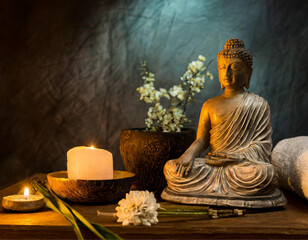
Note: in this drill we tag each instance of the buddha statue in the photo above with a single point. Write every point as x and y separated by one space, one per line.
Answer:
237 127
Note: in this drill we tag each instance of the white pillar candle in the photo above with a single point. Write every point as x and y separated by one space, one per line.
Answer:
89 163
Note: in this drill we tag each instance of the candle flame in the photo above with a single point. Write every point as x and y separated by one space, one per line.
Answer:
26 192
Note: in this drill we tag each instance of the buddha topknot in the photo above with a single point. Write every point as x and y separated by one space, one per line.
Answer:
235 48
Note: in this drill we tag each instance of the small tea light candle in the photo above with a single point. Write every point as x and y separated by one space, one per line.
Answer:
23 203
89 163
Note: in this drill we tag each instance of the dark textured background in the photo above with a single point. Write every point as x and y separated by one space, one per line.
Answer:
69 69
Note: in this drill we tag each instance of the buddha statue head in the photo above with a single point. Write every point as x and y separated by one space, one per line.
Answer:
234 65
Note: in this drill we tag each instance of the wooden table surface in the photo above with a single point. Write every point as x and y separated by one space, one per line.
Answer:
290 222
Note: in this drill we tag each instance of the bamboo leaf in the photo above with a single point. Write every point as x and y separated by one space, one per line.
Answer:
57 205
101 232
73 216
105 231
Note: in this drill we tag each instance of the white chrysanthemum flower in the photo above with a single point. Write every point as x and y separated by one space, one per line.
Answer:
139 207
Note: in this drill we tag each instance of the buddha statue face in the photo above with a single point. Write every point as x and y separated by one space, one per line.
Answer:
234 73
234 65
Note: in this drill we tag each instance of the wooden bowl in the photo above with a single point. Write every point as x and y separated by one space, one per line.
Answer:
91 191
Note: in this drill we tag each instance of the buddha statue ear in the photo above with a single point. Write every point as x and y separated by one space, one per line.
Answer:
246 85
222 86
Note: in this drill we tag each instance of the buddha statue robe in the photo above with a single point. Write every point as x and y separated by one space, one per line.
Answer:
240 182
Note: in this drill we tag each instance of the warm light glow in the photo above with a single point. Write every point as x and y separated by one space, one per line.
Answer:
26 192
92 147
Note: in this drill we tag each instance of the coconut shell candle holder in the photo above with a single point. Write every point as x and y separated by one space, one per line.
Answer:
91 191
23 203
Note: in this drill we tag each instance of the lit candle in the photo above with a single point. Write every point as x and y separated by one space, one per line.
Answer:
26 193
89 163
23 203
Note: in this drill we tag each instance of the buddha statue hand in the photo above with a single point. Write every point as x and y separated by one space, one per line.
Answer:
184 164
224 158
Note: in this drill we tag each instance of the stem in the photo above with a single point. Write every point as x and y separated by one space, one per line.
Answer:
106 214
186 100
189 92
184 209
182 213
207 65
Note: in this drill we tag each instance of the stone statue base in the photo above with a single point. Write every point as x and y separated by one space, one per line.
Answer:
275 199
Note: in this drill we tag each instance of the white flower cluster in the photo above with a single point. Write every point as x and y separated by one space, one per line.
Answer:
147 91
193 76
173 118
139 207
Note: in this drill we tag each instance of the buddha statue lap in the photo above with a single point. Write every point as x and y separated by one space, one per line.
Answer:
237 127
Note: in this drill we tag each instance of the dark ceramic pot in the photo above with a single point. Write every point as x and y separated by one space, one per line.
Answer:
145 154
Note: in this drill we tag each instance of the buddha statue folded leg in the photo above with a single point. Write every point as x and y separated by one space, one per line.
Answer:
246 179
244 184
250 179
